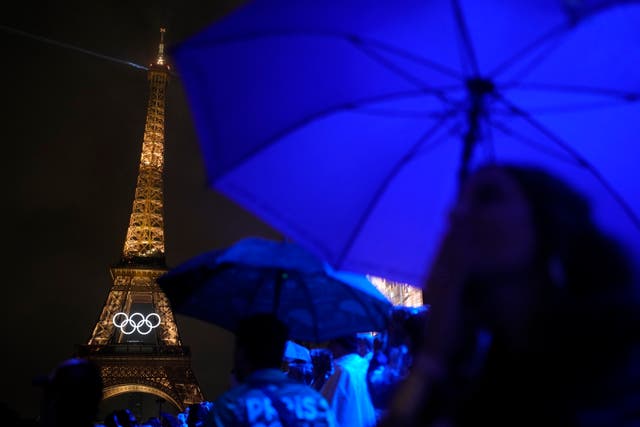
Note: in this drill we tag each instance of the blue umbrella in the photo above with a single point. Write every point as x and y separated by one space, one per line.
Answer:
348 124
263 276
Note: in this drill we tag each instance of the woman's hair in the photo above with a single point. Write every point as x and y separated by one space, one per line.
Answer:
572 252
592 285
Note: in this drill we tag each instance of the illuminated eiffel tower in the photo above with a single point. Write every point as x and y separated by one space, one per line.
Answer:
135 341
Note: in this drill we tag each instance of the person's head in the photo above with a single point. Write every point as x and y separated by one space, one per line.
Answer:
260 344
365 344
533 245
525 220
497 221
341 346
120 418
198 414
414 329
169 420
571 250
72 394
300 370
322 361
396 334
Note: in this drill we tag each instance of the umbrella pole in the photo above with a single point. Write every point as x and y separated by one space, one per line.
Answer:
478 89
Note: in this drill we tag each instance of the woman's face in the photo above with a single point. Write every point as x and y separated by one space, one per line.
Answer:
497 223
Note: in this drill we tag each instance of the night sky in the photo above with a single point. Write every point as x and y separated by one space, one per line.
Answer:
71 135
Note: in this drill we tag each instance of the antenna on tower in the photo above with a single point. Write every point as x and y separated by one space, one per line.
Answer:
160 60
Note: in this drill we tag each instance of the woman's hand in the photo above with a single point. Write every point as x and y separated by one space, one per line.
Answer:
442 332
443 293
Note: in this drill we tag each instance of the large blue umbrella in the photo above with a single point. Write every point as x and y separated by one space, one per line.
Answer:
263 276
348 124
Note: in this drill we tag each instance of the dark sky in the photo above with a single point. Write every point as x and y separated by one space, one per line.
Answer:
71 134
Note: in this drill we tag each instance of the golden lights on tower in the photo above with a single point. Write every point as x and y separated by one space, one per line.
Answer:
161 60
400 294
145 235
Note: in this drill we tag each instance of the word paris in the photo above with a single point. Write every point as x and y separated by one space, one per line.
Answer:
137 322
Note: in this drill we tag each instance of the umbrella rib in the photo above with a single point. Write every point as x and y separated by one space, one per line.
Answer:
463 29
400 72
574 89
403 113
511 61
317 115
456 127
505 130
559 109
583 162
413 57
385 183
536 60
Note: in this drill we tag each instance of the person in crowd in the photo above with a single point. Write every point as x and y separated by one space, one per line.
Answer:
322 361
169 420
121 418
532 318
392 362
265 395
198 414
182 418
72 394
300 370
346 389
379 357
152 422
297 362
365 345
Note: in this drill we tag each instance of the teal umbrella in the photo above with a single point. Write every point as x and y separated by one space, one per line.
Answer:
257 276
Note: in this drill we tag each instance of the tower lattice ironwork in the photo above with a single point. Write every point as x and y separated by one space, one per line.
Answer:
135 341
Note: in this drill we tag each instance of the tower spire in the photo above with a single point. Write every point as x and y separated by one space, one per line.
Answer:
160 60
144 243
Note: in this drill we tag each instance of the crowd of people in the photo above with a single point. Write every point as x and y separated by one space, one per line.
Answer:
530 318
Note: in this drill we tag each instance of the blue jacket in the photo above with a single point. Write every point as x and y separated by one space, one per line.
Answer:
269 398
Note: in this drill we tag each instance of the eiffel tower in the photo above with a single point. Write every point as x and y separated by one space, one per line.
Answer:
135 341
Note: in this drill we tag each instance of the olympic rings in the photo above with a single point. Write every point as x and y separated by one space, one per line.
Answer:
137 322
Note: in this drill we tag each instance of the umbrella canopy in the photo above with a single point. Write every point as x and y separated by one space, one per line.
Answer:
348 124
263 276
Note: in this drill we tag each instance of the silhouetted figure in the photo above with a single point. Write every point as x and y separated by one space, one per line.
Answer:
300 370
394 354
532 317
121 418
168 420
365 345
322 361
346 389
265 395
198 414
72 394
153 422
297 362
